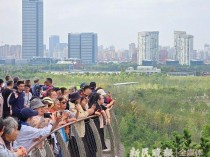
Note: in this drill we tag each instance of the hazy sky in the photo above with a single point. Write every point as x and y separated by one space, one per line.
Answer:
116 21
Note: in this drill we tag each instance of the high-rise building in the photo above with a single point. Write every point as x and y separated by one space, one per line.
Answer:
183 44
61 51
10 52
54 42
100 49
148 44
163 54
206 52
83 46
32 28
74 45
132 49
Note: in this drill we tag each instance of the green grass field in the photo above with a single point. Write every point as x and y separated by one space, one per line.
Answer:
150 111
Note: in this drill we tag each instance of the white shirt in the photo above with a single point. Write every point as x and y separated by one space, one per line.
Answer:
27 98
28 134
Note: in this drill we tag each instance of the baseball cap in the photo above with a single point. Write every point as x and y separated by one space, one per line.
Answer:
28 113
82 85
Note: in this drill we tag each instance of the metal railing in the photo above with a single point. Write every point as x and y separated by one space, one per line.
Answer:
75 146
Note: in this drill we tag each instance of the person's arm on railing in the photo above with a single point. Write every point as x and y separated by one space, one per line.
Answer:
91 110
104 115
110 104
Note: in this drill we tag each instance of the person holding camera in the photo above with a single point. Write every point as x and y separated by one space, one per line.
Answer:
28 135
44 118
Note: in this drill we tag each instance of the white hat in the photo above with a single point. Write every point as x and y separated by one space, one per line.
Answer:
101 91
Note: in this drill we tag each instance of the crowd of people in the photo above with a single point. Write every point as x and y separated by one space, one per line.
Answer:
29 111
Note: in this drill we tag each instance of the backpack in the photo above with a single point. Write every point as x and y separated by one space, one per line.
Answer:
1 104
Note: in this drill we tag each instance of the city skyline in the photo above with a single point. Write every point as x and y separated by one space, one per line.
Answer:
112 19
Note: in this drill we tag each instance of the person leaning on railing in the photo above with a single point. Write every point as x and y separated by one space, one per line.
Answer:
98 100
108 100
79 112
81 126
28 134
55 108
78 105
67 117
9 130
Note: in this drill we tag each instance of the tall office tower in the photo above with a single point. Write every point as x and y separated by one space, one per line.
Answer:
183 44
54 42
148 45
32 28
83 46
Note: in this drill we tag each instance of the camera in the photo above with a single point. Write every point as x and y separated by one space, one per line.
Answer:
47 115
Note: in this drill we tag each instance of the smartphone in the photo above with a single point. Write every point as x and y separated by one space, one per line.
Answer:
58 113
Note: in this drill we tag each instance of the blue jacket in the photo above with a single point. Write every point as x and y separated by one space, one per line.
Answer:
36 90
17 103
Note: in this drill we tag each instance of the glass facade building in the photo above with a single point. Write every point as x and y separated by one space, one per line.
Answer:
32 28
54 42
83 46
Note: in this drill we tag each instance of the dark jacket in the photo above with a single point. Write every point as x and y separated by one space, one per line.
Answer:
36 88
17 103
6 110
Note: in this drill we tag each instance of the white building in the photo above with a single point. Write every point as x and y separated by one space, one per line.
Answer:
148 44
183 44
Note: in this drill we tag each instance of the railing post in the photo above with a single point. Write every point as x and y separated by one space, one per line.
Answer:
80 144
63 145
116 131
97 138
112 141
49 152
